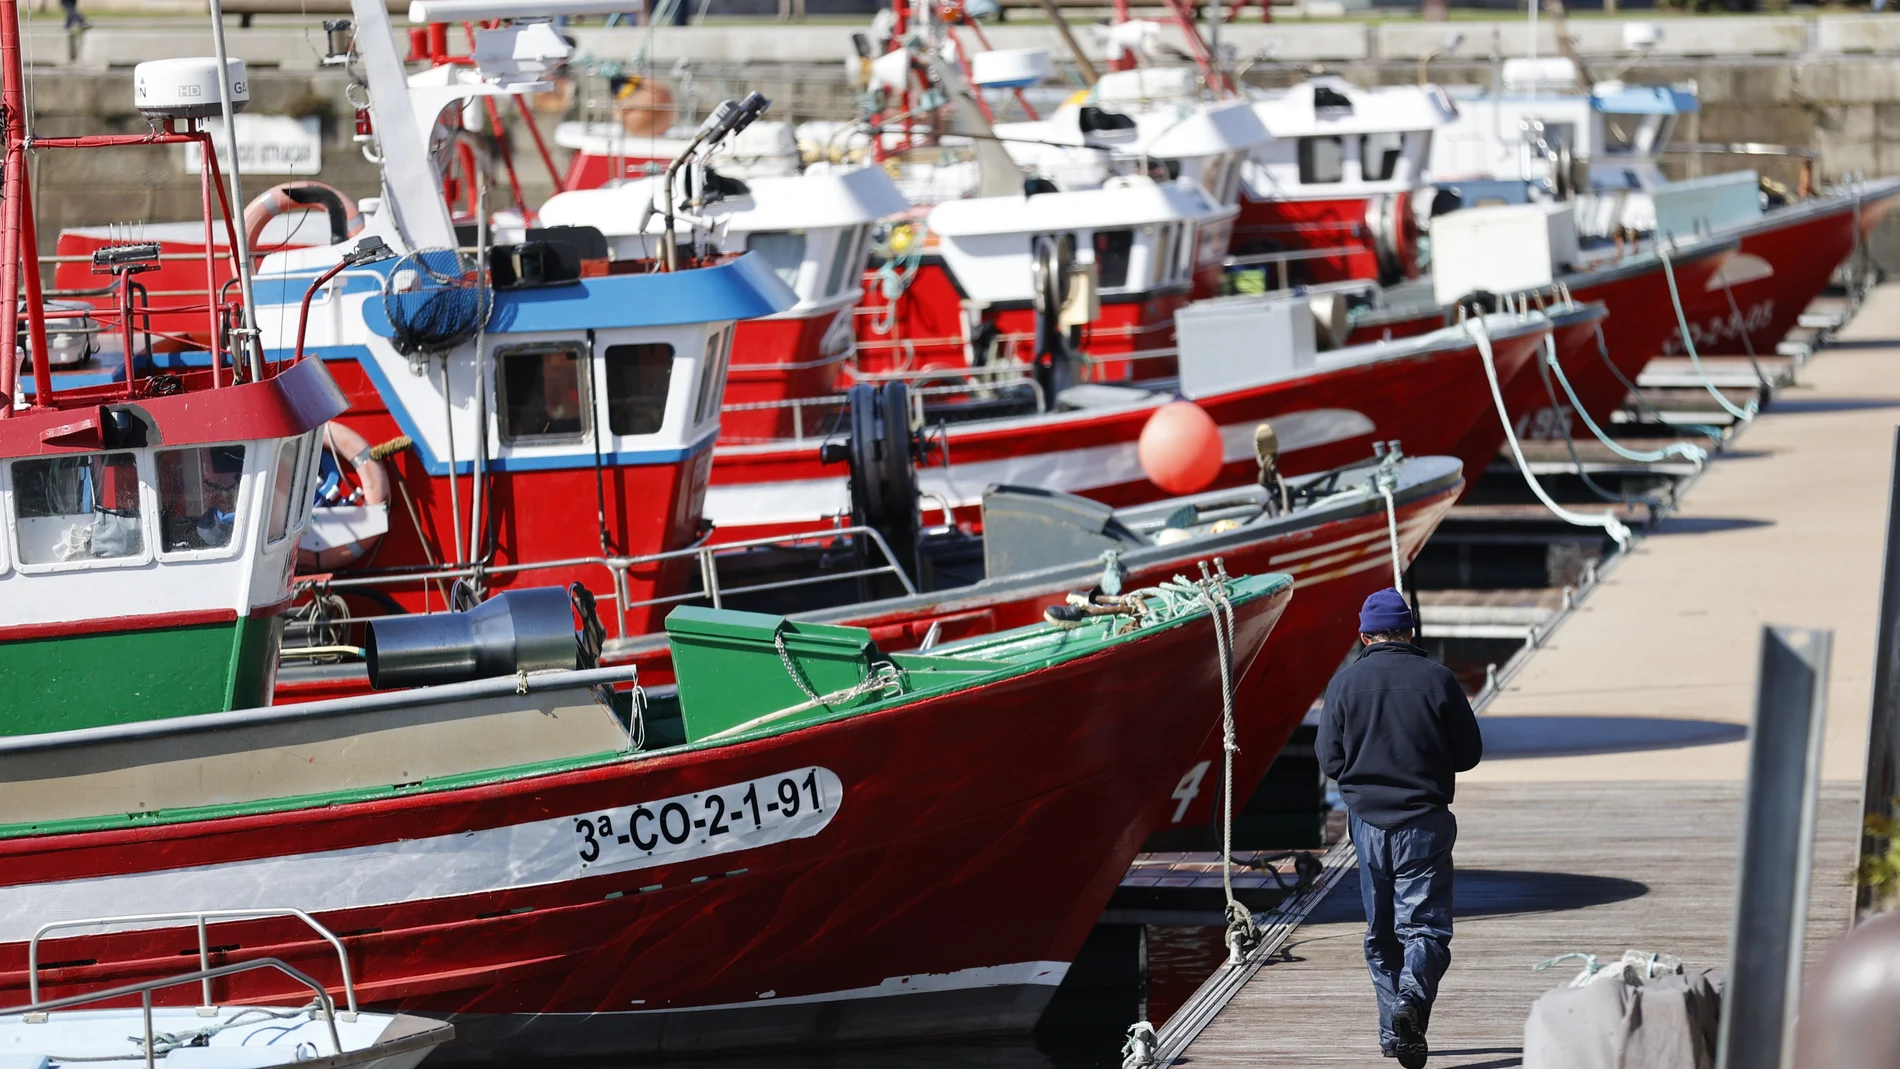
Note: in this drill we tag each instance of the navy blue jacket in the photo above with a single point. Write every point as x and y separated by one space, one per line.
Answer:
1395 731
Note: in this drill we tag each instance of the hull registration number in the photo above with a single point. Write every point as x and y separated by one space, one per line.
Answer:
757 812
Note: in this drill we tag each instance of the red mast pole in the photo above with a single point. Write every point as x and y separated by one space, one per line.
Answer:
12 96
1126 61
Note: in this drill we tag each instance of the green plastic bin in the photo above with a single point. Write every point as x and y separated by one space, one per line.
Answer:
729 669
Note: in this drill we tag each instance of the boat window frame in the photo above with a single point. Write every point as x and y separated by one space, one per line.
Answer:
148 511
1098 238
603 349
239 498
850 246
797 267
714 362
1303 162
270 491
1394 154
584 402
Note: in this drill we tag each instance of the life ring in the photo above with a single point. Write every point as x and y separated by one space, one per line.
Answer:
345 221
371 492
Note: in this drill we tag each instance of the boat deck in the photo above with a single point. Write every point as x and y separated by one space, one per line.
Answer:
1606 816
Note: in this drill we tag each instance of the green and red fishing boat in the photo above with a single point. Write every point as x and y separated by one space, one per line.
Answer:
808 839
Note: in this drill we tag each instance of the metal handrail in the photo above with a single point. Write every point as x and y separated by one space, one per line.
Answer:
1290 256
204 947
617 567
144 989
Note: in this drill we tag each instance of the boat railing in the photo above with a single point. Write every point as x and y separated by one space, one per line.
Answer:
1011 376
618 567
36 1011
202 919
1283 259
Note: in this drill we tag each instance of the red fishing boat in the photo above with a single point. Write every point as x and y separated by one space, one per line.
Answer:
807 840
1637 323
1261 362
1331 196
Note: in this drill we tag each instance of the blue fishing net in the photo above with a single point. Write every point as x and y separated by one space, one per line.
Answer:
434 300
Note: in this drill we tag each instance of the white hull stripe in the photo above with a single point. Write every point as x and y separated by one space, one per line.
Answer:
532 854
962 484
1038 973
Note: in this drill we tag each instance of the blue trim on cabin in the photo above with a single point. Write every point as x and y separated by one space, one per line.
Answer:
745 288
436 467
1646 100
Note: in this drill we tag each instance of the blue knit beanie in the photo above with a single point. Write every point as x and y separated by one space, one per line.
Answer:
1385 610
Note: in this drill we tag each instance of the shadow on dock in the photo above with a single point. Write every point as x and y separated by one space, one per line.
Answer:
1676 525
1785 406
1569 736
1493 893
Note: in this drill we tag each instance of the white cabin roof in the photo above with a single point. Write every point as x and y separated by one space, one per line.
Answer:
1387 109
1127 201
776 202
1162 131
764 148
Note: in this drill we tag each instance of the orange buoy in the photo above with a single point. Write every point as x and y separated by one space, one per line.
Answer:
1180 448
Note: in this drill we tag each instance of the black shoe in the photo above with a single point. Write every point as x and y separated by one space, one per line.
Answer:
1410 1049
1388 1052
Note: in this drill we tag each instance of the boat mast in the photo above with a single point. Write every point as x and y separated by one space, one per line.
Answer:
17 239
253 348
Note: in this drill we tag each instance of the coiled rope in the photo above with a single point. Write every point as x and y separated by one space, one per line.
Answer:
1688 344
894 277
1611 525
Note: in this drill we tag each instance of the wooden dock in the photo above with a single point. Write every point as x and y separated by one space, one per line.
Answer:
1607 813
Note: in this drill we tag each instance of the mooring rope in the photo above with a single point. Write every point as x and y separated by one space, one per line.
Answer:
1608 521
1741 329
1386 478
1688 343
1242 933
1695 454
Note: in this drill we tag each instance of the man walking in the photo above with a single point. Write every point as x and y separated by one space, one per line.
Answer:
1395 731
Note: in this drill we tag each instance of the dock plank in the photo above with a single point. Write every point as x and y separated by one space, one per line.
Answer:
1543 869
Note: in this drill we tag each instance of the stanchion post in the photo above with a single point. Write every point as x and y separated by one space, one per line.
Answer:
1769 927
1882 782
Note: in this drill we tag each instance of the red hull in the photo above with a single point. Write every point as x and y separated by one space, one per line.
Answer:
1639 320
925 328
1800 246
776 360
1335 565
1425 401
1528 403
940 869
1308 225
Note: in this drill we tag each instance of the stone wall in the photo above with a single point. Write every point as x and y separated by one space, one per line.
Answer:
1845 106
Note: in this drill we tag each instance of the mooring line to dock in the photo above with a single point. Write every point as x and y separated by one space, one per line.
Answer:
1219 989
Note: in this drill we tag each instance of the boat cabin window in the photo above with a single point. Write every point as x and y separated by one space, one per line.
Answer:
1112 249
1379 155
284 489
198 497
1164 254
77 508
783 249
1322 160
637 380
849 252
713 383
543 392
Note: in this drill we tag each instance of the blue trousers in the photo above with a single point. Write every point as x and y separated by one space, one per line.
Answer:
1405 884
